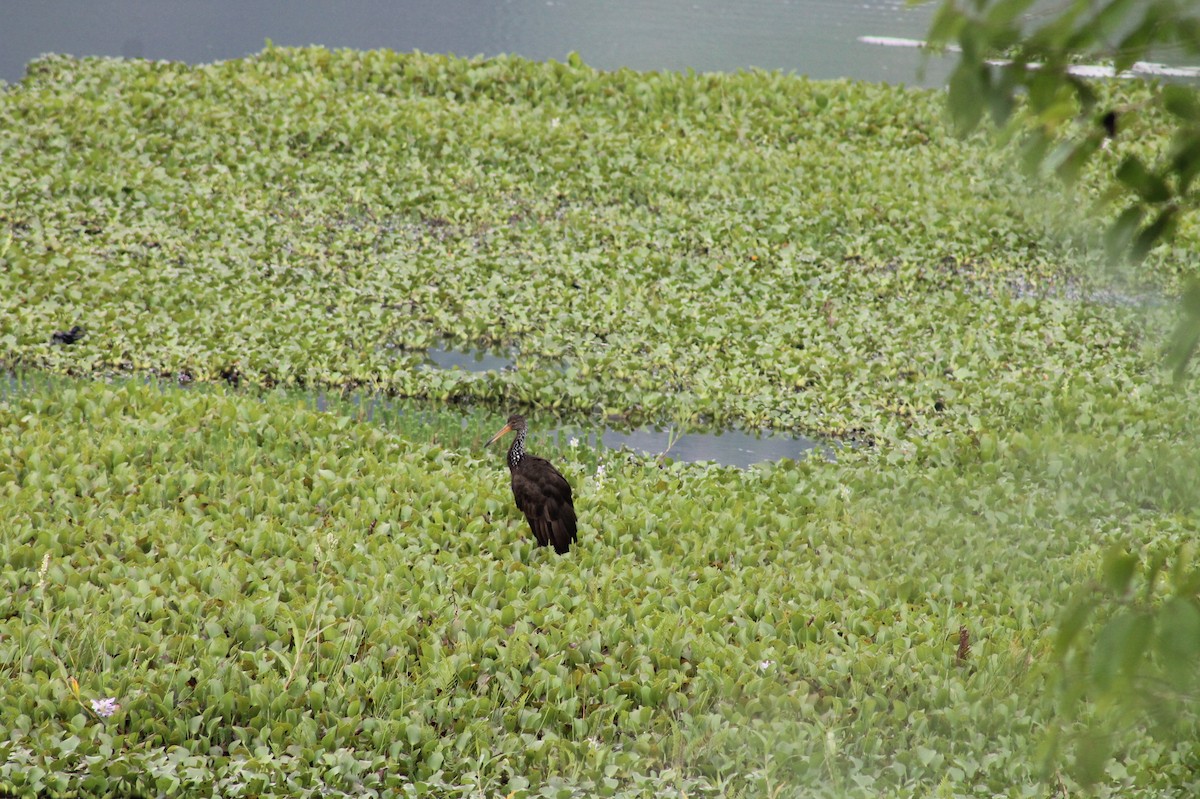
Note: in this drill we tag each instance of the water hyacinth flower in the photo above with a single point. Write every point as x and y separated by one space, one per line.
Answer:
574 442
105 707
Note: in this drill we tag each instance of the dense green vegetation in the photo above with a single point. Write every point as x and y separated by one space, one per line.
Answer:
825 257
280 597
281 600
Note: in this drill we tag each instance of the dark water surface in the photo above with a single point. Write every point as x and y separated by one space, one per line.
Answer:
818 38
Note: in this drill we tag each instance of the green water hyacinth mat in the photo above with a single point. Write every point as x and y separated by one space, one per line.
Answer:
752 248
209 593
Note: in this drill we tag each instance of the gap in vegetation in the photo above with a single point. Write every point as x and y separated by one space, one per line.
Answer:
461 425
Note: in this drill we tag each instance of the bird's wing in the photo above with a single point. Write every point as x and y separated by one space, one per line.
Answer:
544 496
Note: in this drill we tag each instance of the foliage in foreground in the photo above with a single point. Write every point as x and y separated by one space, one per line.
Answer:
1130 653
1066 122
757 248
278 598
1145 657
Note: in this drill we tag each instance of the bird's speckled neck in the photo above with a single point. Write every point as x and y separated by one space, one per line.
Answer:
517 450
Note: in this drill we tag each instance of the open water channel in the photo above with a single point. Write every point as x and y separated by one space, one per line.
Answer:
727 448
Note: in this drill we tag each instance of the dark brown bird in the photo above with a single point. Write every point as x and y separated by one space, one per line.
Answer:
68 336
541 492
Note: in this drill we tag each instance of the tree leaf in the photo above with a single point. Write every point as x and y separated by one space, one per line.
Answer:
1150 187
1091 755
1181 102
967 87
1118 569
1136 644
947 22
1069 168
1119 236
1002 12
1109 652
1178 644
1185 158
1186 336
1071 623
1133 47
1033 151
1160 229
1111 18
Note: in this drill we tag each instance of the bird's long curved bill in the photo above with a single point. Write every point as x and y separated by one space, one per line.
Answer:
506 429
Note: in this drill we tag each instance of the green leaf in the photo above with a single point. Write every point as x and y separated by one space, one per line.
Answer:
1182 570
1185 158
1111 18
1071 624
1132 48
1000 101
1150 187
1052 36
1137 644
1110 651
1070 167
1002 12
1187 33
1157 231
1181 101
1178 642
1092 754
1186 336
966 95
946 24
1119 236
1118 569
1154 568
1033 151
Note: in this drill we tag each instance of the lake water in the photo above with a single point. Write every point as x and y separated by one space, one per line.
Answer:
818 38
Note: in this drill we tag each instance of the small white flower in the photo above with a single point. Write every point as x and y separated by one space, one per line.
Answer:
41 583
554 122
574 442
766 664
105 707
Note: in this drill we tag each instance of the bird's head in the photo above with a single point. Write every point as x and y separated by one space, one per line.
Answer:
516 424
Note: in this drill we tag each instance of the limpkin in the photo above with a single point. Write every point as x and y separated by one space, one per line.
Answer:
541 492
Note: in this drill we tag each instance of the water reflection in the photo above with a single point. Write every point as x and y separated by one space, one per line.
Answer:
727 448
476 360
